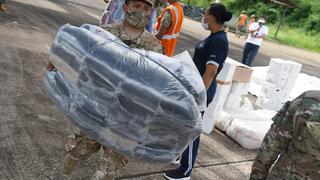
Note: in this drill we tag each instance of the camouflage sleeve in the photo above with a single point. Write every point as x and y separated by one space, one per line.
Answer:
166 20
115 30
157 48
150 43
276 140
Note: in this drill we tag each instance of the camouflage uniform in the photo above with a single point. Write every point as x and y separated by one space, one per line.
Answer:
166 21
145 41
294 137
80 146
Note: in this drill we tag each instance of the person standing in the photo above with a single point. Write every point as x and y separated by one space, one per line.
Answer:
252 20
209 57
241 24
291 148
257 32
169 25
2 5
132 32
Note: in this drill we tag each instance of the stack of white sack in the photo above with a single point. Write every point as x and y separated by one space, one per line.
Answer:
127 99
223 121
228 115
247 127
249 134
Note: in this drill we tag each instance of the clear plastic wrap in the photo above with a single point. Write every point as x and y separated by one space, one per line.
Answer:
122 97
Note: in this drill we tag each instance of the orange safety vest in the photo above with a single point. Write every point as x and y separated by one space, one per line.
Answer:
169 40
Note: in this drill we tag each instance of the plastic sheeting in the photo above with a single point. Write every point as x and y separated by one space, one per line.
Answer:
121 97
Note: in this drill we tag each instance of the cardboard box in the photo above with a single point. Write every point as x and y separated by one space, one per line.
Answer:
239 88
279 79
233 101
281 71
270 104
271 90
242 72
272 97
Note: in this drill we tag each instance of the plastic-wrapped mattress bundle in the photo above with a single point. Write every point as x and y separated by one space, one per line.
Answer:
122 97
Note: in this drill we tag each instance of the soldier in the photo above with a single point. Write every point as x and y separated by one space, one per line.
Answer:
292 143
132 32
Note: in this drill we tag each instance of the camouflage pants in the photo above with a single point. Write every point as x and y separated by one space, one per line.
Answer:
80 146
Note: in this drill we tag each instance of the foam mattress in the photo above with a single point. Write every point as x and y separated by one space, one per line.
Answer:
124 98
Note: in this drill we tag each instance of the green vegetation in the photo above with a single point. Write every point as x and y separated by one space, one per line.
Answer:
301 27
296 37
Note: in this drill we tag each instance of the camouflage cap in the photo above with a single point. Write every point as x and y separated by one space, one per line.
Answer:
150 2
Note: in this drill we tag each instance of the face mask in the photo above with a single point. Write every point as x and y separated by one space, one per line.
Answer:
204 25
136 19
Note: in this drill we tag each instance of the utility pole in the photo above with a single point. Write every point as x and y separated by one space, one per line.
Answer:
281 21
287 4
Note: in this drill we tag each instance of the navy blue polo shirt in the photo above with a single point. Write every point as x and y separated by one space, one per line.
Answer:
213 50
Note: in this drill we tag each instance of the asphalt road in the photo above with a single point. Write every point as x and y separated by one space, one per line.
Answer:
32 129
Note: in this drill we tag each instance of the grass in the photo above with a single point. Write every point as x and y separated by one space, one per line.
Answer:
198 3
296 37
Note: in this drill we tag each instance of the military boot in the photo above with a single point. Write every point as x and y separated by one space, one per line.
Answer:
99 175
69 164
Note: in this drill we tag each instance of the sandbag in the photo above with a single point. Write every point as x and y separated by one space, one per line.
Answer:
249 134
122 97
223 121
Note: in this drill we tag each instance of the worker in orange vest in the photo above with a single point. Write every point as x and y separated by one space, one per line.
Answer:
168 26
241 24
